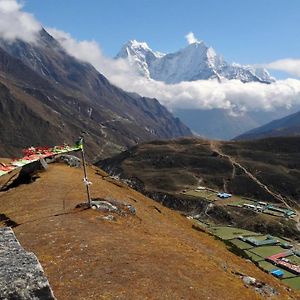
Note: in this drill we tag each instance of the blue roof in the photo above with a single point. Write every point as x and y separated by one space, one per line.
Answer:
277 273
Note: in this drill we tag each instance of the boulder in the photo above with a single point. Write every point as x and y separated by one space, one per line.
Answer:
70 160
21 275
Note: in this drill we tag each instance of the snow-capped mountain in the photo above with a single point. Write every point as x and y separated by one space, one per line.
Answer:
139 55
195 62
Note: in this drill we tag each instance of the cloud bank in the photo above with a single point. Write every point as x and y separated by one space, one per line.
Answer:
90 51
17 24
203 94
232 95
289 65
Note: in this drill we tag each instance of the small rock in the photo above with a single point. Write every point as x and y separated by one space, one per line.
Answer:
260 287
109 218
249 280
104 205
131 209
71 160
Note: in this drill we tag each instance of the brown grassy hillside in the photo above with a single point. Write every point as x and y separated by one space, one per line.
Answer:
171 166
153 255
267 170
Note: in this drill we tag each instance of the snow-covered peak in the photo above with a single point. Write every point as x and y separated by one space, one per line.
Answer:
137 45
196 61
139 55
139 48
198 46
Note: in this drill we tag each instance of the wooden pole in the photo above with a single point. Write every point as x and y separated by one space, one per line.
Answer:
85 176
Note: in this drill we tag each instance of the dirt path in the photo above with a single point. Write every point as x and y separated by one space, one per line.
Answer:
215 146
232 176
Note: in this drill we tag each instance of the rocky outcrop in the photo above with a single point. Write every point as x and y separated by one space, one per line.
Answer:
21 275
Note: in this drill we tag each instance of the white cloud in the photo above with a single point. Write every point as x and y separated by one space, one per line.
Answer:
16 24
289 65
90 51
232 94
203 94
191 39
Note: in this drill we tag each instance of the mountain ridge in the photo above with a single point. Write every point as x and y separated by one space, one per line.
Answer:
76 98
287 126
263 170
197 61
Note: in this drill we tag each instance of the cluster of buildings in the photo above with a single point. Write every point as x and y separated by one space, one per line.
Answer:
266 207
269 241
283 262
280 260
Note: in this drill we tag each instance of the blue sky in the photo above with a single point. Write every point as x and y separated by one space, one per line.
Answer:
248 32
264 32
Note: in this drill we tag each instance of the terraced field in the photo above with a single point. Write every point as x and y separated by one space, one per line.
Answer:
257 254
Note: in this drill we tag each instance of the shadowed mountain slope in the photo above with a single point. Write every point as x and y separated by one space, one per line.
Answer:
64 97
287 126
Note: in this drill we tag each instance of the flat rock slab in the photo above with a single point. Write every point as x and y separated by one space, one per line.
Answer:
21 275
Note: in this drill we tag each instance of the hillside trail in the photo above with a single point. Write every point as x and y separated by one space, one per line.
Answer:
232 176
215 146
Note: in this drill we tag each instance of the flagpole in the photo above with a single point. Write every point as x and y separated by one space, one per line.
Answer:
87 183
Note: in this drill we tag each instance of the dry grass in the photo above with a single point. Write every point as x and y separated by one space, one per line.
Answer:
153 255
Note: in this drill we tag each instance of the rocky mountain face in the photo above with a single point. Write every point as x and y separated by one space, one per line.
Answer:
49 97
195 62
287 126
